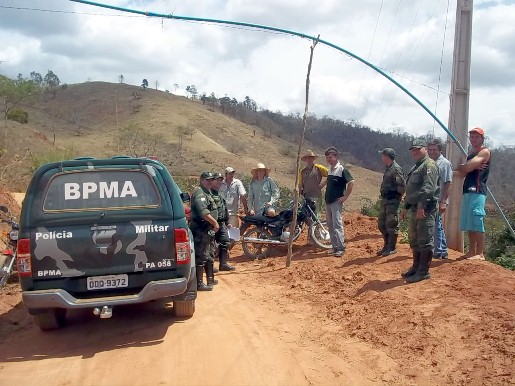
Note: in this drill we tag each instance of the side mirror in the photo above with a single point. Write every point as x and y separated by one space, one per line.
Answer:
185 197
4 209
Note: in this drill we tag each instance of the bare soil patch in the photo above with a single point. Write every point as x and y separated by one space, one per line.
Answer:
324 320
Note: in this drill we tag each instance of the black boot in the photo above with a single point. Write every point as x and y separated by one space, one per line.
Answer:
385 246
423 269
223 254
414 267
392 243
200 284
209 267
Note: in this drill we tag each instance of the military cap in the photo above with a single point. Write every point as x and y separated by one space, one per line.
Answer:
207 176
388 151
417 143
217 175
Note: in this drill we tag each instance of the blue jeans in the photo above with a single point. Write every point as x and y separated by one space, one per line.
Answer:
440 241
333 215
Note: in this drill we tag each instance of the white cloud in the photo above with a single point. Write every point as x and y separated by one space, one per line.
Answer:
404 38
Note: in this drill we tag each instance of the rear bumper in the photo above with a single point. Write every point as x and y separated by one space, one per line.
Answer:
59 298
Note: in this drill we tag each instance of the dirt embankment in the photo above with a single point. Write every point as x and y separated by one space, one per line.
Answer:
324 320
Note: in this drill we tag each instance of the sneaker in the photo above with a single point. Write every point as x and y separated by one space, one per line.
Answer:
338 253
444 256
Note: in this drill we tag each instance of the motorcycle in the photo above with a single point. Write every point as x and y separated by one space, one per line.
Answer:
8 256
261 232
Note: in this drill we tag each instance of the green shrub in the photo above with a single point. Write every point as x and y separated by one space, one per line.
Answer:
501 248
18 115
52 155
371 209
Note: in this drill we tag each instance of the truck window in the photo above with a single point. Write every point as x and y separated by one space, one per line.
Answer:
100 190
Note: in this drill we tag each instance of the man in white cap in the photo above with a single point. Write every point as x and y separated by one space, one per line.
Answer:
233 192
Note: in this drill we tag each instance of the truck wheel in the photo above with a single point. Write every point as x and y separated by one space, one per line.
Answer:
51 320
184 309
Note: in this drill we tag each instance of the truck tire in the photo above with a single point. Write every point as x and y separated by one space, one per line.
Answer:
184 309
51 320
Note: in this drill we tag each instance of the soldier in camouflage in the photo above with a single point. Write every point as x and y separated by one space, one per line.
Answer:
204 225
222 236
392 189
422 191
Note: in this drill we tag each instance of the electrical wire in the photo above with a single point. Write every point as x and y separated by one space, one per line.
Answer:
368 58
441 63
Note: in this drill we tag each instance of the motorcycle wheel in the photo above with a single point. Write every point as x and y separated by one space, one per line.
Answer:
255 250
319 233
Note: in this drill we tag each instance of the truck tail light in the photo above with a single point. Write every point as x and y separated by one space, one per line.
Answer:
23 264
182 246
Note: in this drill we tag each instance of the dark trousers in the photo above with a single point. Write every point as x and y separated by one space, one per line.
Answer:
388 220
202 241
421 232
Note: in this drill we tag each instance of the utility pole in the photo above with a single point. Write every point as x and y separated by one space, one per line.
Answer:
458 117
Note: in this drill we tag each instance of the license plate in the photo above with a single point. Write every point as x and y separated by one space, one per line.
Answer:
107 282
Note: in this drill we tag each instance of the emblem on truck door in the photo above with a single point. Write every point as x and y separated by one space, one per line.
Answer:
103 237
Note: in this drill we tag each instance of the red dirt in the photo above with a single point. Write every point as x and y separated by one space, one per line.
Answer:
349 320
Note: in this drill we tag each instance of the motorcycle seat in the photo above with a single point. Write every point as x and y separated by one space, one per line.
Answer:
259 219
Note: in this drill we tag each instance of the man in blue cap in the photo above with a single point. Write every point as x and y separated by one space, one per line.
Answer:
422 191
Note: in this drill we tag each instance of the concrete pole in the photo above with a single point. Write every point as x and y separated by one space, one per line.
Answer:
458 117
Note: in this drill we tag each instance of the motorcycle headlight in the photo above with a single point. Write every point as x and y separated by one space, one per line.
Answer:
13 235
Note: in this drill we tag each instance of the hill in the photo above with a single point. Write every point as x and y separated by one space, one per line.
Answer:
105 119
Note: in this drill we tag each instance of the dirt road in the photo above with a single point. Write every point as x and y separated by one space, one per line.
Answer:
323 321
235 338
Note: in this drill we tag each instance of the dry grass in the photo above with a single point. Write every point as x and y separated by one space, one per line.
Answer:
85 118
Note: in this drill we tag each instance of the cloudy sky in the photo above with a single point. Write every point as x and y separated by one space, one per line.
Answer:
411 40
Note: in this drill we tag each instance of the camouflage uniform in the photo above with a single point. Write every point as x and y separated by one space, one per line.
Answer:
202 203
392 189
222 236
422 191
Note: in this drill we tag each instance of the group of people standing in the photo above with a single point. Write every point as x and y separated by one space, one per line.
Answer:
423 194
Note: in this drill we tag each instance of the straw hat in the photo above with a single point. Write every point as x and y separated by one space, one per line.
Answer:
307 154
260 166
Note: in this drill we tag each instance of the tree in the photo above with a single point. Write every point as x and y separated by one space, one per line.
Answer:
121 78
144 84
51 81
140 143
192 91
36 78
14 91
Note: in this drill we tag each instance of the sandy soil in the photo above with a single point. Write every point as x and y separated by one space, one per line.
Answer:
323 321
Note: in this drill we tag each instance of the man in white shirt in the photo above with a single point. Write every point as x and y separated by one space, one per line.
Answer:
232 191
434 149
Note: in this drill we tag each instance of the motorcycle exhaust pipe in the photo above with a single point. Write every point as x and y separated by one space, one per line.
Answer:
262 241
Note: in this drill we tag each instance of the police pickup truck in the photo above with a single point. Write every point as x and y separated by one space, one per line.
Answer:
98 233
